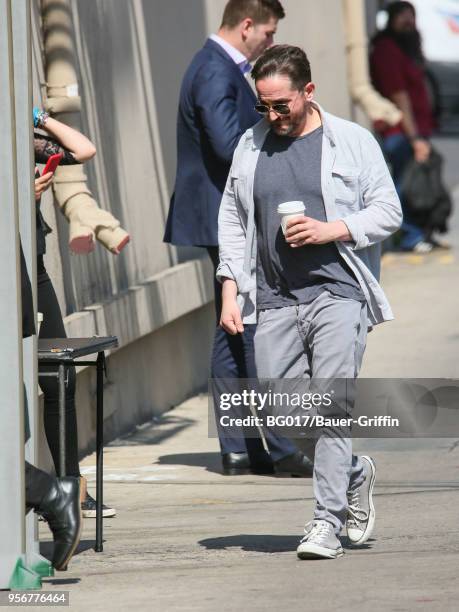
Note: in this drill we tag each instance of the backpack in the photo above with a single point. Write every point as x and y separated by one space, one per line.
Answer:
424 194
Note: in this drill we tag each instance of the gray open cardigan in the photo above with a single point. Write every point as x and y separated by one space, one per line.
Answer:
356 187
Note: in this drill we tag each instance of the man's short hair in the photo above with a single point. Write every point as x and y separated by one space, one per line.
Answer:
260 11
285 60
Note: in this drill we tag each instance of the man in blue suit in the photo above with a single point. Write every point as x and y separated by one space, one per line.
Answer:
216 107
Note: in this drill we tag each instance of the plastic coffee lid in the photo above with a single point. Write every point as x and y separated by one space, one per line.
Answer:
287 208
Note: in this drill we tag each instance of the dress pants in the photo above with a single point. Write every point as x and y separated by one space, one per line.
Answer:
233 357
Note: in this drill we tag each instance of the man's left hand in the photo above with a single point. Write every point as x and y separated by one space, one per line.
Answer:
305 230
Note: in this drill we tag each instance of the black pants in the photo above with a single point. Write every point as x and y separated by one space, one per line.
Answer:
37 485
53 327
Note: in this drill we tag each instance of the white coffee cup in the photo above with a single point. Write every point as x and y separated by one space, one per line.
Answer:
290 210
39 322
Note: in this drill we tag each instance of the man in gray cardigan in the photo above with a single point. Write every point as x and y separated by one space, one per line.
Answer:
313 292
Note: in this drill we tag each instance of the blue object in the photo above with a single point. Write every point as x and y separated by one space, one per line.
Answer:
36 116
234 357
215 109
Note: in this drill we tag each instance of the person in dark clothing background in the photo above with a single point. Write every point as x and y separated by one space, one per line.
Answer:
57 500
75 148
398 72
216 106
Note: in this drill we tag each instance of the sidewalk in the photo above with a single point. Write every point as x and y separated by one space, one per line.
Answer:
187 538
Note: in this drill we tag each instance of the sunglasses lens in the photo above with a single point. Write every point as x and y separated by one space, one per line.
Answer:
281 109
262 109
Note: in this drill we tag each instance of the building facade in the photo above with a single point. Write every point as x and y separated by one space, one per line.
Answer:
130 58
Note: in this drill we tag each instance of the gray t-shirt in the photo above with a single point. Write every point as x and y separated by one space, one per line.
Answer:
289 169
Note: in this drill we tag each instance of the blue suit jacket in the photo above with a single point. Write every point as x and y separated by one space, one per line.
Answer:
215 109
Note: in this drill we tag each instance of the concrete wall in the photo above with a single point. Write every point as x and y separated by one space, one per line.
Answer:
131 58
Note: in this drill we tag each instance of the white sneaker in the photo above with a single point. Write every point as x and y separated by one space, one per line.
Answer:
422 247
320 542
361 511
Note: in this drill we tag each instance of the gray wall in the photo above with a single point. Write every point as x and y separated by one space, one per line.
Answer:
131 58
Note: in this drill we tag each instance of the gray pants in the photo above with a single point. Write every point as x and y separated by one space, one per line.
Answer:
324 340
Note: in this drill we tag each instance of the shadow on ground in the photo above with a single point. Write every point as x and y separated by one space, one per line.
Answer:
253 543
60 581
268 543
46 548
155 432
210 461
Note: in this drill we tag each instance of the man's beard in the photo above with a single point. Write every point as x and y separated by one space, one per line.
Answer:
294 124
410 43
285 130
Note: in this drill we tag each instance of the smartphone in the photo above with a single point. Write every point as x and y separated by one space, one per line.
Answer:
52 163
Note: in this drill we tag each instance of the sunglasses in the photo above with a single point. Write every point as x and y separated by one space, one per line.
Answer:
280 109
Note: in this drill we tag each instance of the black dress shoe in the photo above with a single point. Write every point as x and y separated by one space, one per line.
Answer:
235 464
297 465
62 510
262 467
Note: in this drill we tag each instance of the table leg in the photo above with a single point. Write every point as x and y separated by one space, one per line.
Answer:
99 450
62 420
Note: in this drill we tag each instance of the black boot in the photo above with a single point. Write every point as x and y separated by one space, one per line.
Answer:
61 508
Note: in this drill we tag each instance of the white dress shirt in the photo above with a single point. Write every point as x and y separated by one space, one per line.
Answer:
238 58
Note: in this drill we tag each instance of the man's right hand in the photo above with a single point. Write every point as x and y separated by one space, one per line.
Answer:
230 319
